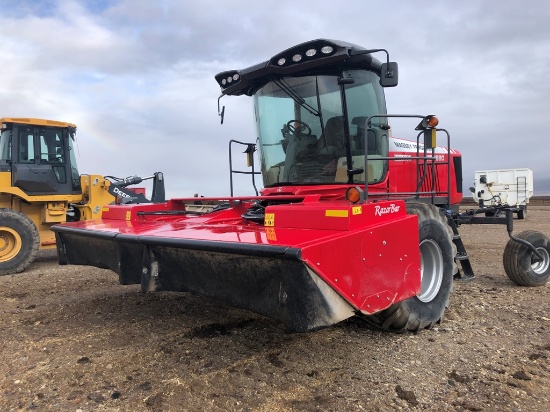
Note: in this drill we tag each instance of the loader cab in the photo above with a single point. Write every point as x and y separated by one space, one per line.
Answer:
39 156
313 105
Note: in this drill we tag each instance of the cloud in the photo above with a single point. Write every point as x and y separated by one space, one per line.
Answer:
137 76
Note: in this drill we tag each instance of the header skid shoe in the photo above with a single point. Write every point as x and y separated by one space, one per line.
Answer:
316 264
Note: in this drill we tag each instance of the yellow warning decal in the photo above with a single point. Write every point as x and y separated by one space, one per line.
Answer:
270 232
336 213
105 209
356 210
128 214
269 219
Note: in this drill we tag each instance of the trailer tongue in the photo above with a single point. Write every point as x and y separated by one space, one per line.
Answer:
351 221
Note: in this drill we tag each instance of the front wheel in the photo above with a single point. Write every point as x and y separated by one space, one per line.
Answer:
19 241
437 252
521 264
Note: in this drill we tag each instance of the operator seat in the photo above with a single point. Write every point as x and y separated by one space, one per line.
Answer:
333 140
358 147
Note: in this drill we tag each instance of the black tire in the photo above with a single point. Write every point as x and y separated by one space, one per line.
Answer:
19 241
522 212
437 255
519 263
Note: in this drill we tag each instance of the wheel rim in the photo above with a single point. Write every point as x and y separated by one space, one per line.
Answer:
431 270
541 267
10 243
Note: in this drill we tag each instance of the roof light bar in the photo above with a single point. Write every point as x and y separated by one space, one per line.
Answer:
297 55
228 78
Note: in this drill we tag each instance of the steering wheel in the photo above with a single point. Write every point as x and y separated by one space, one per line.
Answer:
298 128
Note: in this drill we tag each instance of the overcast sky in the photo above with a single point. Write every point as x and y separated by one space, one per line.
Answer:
137 76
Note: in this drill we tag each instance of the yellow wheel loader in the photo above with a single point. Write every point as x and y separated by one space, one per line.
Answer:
40 185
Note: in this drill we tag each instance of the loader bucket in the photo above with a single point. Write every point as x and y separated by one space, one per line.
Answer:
291 274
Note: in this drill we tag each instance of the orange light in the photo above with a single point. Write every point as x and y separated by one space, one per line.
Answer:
433 121
353 194
428 122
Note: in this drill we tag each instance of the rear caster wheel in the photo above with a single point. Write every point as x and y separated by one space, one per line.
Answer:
521 264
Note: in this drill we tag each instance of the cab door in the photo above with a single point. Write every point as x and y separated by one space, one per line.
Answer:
41 164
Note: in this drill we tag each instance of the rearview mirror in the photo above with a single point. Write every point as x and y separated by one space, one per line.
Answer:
389 74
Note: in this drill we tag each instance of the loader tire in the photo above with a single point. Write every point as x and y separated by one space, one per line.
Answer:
438 268
520 263
19 241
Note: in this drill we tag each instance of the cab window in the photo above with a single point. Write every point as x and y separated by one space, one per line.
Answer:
26 145
51 146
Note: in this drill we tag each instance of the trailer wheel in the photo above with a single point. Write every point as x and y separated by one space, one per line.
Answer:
438 268
522 212
520 262
19 241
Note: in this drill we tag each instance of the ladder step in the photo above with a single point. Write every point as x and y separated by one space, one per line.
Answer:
462 255
465 276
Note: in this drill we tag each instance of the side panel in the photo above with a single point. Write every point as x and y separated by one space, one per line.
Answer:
371 268
403 176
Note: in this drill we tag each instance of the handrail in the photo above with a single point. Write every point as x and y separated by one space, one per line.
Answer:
231 170
425 159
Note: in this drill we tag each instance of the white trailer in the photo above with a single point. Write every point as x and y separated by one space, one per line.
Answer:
503 187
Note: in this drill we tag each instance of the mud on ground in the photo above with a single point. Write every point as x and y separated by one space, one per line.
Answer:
72 339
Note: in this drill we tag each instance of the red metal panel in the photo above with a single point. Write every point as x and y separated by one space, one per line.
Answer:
371 268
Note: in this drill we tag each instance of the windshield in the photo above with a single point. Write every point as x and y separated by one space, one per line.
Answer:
302 132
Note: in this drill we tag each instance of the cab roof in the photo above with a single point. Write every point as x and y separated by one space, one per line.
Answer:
299 60
37 122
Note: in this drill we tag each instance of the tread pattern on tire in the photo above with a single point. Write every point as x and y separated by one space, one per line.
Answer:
397 318
514 251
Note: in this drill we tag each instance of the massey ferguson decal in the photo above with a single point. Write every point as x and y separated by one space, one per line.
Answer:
379 211
404 150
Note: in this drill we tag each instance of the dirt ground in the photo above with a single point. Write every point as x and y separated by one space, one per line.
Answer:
72 339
